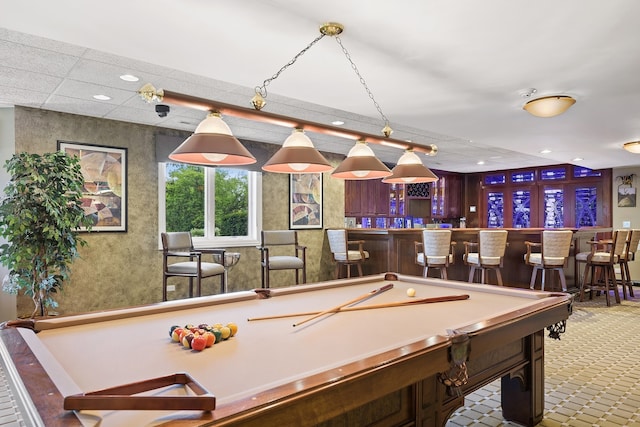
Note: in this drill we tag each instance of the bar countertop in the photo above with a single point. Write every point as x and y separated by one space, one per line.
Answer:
394 250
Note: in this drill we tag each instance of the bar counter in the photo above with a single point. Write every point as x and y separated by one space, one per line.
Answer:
394 250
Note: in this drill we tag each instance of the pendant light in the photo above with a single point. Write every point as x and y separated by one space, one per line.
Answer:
410 170
361 163
212 144
297 155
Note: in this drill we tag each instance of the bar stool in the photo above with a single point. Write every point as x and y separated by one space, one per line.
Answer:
604 258
553 255
435 251
629 254
491 246
344 253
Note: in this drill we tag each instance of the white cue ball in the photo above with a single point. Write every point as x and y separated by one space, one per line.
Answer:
411 292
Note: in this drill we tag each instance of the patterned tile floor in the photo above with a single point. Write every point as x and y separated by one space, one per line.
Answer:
592 375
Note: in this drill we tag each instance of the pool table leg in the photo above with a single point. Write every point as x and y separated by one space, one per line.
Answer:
523 389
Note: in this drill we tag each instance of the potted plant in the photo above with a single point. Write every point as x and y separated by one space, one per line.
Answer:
40 218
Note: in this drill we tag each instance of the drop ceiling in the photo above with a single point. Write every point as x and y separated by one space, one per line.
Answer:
449 73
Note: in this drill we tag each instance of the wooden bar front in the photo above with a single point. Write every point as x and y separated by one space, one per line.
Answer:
394 250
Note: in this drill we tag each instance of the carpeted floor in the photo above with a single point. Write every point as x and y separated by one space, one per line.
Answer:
592 375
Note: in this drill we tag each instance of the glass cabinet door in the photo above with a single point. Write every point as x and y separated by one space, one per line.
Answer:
553 208
495 209
521 204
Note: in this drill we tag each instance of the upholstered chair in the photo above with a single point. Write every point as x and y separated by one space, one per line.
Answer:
629 254
346 253
549 255
279 250
435 251
604 256
180 259
487 254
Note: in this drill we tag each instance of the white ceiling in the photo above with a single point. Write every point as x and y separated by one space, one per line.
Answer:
444 72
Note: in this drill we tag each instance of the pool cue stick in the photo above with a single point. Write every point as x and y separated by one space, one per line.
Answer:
353 301
371 307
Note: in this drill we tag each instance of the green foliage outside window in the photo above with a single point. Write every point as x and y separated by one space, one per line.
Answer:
185 196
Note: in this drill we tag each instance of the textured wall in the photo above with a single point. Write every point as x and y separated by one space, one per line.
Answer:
125 269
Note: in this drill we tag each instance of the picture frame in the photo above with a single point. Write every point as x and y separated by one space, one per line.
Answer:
305 201
104 194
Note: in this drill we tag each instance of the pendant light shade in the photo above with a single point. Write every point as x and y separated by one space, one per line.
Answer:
361 163
212 144
549 106
297 155
410 170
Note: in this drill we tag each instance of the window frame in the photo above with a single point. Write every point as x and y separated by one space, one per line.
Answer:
254 222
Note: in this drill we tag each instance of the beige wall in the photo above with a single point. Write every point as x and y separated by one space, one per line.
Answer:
123 269
631 214
7 301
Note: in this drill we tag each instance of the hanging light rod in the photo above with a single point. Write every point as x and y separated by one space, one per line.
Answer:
150 94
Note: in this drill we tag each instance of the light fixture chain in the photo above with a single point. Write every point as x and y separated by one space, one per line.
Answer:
362 81
263 89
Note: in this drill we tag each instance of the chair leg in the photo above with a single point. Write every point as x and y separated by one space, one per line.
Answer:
499 276
223 283
614 284
534 276
482 275
629 281
563 279
543 278
164 287
624 269
190 287
199 285
443 273
472 272
360 270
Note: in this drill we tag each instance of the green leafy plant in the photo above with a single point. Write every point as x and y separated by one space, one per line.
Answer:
40 218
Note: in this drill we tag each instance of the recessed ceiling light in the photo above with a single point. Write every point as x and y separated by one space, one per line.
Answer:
480 162
129 78
102 97
577 159
545 151
337 122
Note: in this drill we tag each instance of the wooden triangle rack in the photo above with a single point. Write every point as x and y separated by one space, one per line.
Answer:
122 397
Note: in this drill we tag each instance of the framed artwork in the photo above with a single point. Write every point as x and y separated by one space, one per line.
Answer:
104 195
626 191
305 200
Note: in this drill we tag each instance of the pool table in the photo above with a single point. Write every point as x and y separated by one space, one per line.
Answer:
410 364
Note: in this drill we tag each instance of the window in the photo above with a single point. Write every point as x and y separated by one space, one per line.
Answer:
219 206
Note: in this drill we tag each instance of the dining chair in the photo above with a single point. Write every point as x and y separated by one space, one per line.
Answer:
179 245
551 254
279 250
603 257
435 251
346 253
486 254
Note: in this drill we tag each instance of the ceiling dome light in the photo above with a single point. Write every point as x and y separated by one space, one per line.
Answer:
549 106
212 144
361 163
297 155
410 170
632 147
